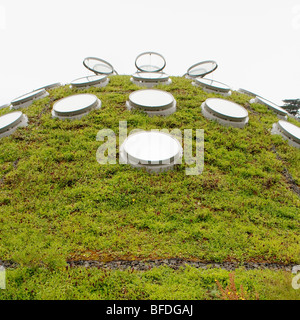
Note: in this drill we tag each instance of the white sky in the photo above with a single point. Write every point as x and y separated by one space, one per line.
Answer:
255 43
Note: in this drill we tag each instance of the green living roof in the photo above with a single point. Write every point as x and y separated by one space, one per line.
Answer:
58 204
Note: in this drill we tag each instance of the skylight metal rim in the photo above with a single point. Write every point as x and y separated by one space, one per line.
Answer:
280 112
87 109
13 124
165 79
34 95
91 83
150 52
211 87
225 117
286 133
136 160
198 64
147 108
100 60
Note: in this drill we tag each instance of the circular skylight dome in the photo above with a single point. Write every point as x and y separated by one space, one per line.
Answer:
90 81
75 106
150 76
150 79
152 101
288 131
150 62
225 112
10 122
226 109
212 85
201 69
248 93
98 66
27 99
154 151
51 86
272 106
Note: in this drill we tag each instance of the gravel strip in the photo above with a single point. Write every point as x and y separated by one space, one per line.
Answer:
173 263
176 264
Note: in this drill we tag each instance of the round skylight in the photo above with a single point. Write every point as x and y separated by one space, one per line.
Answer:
26 99
289 130
75 105
225 112
51 86
10 121
201 69
150 62
248 93
272 106
150 76
89 81
152 148
98 66
151 99
226 109
212 85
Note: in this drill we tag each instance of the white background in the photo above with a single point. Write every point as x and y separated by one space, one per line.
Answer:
255 43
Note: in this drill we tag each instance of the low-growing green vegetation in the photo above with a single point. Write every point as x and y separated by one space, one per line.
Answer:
155 284
57 203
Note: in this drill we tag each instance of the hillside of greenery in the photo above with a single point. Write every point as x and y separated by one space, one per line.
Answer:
58 204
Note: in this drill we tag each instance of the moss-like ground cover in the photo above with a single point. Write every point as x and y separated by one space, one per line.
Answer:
57 203
156 284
